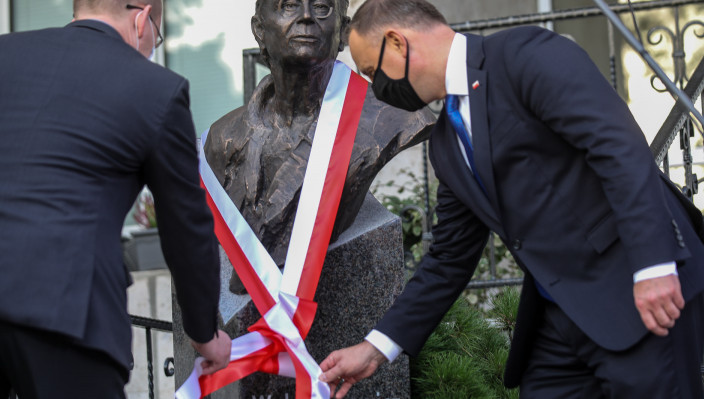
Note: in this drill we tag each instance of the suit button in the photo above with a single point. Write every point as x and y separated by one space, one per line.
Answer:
517 244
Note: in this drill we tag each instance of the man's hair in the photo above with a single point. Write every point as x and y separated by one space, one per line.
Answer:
344 5
112 7
374 15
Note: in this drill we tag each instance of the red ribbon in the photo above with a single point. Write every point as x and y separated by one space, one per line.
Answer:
266 359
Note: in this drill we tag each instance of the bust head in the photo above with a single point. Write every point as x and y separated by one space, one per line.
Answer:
300 33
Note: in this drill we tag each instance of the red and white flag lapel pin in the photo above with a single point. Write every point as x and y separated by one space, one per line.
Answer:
475 85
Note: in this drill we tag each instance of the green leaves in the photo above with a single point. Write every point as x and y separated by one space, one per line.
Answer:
465 356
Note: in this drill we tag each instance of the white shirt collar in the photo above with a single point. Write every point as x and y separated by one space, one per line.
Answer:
456 71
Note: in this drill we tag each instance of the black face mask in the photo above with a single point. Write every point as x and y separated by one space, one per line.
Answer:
396 92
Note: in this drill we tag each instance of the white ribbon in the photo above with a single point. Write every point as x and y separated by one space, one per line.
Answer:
282 288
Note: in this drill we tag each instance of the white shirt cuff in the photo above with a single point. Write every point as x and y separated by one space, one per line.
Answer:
384 344
660 270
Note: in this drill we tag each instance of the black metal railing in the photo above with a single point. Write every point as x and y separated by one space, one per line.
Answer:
678 123
562 15
149 325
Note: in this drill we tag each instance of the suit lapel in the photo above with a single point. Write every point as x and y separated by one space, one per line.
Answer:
476 79
464 185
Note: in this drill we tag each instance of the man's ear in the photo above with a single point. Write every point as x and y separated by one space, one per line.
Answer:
142 21
396 42
258 31
344 33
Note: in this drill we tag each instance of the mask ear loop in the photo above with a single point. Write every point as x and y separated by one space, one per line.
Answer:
136 28
151 28
381 54
408 56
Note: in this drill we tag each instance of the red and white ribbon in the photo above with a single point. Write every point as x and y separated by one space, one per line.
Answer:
275 343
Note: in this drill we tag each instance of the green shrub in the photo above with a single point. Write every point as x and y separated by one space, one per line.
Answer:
465 356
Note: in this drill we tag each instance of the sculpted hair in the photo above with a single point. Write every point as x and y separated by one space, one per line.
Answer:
374 15
112 7
344 5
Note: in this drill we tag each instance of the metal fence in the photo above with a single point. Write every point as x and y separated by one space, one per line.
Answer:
148 325
678 125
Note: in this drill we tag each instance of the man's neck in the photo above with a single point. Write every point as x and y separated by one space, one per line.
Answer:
108 20
299 91
434 45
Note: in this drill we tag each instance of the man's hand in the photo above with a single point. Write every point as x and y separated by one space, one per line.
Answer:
659 301
216 352
349 366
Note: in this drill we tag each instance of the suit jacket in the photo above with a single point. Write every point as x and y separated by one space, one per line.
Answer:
571 188
85 122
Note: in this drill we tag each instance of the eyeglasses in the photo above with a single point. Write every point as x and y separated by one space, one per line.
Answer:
160 39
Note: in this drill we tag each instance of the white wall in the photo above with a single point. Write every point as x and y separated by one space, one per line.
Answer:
204 44
4 16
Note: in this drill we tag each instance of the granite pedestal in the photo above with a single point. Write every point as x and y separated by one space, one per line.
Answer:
362 275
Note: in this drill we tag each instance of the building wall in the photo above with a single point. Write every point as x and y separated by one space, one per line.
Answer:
590 33
460 11
4 16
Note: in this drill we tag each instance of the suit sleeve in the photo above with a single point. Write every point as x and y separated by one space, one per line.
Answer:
561 85
459 238
185 222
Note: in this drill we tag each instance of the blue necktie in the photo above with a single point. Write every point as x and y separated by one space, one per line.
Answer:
452 106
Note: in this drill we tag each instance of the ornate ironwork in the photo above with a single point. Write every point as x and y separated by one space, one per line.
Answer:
655 37
169 367
149 325
577 13
679 122
684 125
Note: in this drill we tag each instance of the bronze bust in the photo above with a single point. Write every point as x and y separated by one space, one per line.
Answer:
259 152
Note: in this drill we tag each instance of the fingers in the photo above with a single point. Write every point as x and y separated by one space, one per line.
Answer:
678 299
653 325
667 314
328 363
338 386
345 367
332 372
333 386
216 352
344 388
208 367
659 301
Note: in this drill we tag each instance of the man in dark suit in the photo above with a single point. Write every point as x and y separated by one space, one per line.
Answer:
85 121
535 145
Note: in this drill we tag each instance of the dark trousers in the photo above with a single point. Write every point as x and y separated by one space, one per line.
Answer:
41 365
566 364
